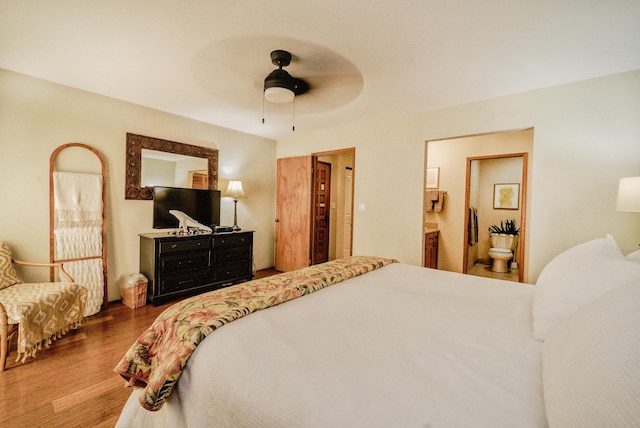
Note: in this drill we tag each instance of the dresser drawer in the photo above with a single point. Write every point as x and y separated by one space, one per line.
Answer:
184 245
232 240
182 262
231 271
174 284
231 254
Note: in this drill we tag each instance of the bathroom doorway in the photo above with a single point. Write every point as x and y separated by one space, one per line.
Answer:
488 179
449 156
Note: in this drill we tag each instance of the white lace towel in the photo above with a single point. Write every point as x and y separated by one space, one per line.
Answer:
77 196
89 274
78 242
77 199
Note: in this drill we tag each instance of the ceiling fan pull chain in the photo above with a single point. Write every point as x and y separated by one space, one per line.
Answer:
294 114
263 107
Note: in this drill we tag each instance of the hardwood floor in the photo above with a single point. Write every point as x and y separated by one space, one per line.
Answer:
72 383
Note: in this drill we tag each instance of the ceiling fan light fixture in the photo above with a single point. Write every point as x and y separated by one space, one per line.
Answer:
279 86
279 95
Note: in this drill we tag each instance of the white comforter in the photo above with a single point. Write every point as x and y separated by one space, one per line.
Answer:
401 346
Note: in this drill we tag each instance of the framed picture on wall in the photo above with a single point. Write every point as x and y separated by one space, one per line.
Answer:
506 196
433 178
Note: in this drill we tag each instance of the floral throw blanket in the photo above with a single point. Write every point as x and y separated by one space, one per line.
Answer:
156 360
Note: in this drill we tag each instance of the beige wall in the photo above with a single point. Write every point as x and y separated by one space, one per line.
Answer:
37 116
587 136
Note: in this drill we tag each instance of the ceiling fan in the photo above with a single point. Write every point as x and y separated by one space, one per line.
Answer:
279 86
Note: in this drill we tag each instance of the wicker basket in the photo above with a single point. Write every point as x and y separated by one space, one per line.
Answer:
134 296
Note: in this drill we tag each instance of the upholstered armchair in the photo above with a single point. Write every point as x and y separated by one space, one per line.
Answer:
37 312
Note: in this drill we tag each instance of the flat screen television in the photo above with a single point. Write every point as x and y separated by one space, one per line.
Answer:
201 205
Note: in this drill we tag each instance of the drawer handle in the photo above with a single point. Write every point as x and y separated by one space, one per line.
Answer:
174 246
186 281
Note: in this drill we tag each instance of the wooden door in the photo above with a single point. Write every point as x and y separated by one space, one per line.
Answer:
293 213
198 179
348 191
321 210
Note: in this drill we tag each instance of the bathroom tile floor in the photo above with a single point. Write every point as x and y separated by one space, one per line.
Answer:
480 269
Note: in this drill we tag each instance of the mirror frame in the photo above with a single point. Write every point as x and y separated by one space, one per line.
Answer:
135 144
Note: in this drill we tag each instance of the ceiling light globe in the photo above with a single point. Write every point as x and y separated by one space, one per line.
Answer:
278 95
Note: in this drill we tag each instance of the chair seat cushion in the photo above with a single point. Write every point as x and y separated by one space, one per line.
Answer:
43 312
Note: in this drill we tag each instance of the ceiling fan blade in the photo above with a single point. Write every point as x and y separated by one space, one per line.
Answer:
330 91
238 80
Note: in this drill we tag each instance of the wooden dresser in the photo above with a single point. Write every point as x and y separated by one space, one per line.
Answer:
182 265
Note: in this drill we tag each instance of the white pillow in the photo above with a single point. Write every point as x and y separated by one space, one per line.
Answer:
635 256
591 363
576 277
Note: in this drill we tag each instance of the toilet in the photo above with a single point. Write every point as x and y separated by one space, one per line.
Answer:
501 251
500 257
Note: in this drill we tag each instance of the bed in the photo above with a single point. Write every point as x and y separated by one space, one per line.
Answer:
400 345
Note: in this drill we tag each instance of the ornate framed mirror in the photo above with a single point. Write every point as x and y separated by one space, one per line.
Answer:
137 144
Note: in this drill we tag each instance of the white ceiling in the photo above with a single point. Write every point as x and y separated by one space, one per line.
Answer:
206 59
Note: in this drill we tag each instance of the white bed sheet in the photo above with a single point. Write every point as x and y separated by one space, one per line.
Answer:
401 346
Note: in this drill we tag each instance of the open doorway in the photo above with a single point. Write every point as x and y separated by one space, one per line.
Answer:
449 157
314 205
496 194
339 204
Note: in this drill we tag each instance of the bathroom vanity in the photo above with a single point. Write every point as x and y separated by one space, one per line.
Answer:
431 237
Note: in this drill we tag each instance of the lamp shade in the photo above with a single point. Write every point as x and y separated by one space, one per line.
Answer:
629 194
234 190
